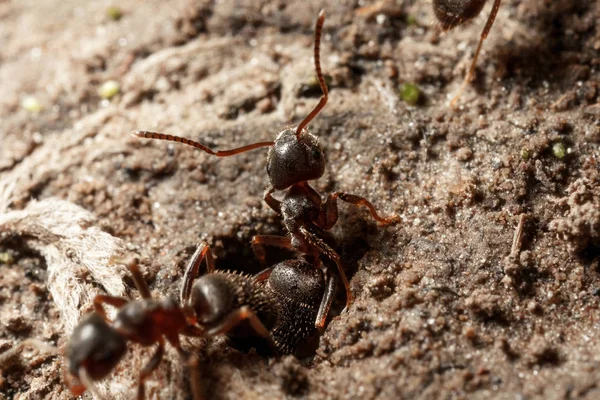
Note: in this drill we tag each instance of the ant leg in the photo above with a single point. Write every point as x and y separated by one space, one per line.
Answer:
190 359
149 367
260 241
134 269
38 344
484 34
89 384
325 303
324 248
271 201
233 319
191 271
192 143
101 299
263 275
329 212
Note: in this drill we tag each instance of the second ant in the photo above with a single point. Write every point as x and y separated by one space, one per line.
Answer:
294 158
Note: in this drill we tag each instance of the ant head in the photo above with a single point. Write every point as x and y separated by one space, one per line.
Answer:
211 299
299 280
296 155
452 13
294 159
95 347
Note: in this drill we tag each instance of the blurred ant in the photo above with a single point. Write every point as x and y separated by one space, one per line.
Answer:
451 13
294 158
280 303
98 344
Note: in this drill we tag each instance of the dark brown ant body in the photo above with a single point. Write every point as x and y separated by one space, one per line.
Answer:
451 13
294 158
280 304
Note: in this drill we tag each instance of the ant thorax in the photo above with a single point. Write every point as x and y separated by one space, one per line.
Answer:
294 158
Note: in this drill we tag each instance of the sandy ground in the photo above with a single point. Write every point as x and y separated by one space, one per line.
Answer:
450 303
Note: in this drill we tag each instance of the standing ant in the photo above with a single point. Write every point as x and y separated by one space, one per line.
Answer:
294 158
280 303
98 344
451 13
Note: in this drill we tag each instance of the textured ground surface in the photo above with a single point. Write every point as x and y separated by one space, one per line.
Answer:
447 306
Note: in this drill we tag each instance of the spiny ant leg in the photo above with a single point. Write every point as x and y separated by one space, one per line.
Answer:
484 34
149 367
233 319
114 301
317 56
260 241
191 271
272 201
197 145
326 302
329 209
324 248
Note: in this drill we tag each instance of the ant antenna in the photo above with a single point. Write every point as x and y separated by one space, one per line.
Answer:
199 146
323 101
484 34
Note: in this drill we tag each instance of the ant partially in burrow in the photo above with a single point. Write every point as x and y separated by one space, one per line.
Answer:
451 13
279 303
294 158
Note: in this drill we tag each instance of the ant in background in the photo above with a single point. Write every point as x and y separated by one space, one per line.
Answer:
294 158
280 303
451 13
98 344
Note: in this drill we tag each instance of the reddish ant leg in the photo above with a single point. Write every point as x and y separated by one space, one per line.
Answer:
101 299
191 271
333 256
236 317
325 303
260 241
272 201
150 367
263 275
329 213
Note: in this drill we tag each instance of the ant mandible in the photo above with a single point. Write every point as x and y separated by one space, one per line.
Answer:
280 303
451 13
294 158
97 344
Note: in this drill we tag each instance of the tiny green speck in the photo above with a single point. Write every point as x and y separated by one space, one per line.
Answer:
410 93
31 104
525 154
411 20
109 89
558 150
6 258
114 13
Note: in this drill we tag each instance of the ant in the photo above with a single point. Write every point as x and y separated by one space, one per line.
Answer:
294 158
451 13
280 303
97 344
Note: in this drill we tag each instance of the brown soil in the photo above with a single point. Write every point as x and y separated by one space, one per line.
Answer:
449 304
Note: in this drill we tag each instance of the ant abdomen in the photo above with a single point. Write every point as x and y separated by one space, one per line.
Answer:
294 158
452 13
